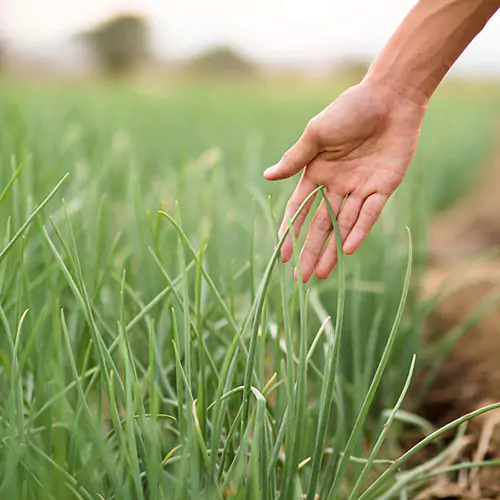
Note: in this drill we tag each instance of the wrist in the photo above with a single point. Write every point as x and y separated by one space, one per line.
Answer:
395 100
393 89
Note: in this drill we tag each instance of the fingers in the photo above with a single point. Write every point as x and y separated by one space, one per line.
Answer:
356 219
302 191
346 221
296 158
321 227
370 212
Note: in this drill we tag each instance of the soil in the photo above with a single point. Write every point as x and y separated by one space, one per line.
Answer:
471 226
470 376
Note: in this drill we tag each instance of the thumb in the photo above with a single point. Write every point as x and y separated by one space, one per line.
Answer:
295 159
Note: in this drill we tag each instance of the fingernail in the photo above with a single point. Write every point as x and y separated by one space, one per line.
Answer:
270 169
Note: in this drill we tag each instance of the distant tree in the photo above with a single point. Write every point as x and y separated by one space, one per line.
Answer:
221 60
2 54
119 44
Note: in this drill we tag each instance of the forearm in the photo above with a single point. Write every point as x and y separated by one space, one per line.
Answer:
427 43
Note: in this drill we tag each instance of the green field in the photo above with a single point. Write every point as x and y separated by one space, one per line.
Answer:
148 355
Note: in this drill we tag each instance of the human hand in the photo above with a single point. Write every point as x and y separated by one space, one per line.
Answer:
359 147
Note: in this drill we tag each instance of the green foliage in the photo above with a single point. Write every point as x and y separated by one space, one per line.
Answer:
119 44
152 346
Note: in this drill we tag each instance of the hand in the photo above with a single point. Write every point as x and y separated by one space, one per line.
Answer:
359 148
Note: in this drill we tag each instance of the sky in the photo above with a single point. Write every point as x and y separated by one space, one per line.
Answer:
300 32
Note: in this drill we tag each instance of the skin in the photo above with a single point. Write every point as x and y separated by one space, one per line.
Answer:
361 146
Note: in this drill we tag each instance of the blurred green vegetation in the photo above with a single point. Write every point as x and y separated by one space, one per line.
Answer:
201 144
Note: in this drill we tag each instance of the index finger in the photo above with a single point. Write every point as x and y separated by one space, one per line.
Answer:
304 188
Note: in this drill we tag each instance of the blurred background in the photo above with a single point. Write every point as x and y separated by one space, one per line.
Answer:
316 38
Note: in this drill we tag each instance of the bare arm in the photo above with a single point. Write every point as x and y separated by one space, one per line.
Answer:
427 43
361 146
